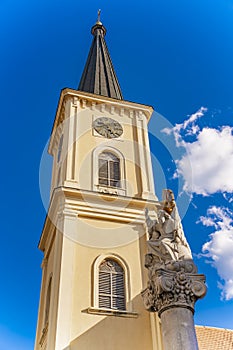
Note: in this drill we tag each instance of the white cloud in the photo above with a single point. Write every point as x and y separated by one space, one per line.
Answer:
220 246
193 118
228 197
207 165
206 168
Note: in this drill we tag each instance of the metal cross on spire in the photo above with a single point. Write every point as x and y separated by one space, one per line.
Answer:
99 13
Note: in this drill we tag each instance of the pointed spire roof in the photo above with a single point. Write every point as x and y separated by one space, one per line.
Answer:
99 76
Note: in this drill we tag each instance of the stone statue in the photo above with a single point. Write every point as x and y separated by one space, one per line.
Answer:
167 242
174 285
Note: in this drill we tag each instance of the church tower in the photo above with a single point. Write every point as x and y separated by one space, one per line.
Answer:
94 236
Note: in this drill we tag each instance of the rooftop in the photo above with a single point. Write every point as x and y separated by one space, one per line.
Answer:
99 76
210 338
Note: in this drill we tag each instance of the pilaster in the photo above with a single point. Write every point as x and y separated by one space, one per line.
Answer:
65 297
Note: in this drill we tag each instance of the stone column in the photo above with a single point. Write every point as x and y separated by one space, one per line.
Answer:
174 284
173 295
178 330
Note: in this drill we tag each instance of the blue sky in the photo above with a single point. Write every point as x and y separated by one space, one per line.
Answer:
174 55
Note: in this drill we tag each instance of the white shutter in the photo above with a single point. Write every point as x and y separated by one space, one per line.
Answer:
103 172
104 287
111 285
109 169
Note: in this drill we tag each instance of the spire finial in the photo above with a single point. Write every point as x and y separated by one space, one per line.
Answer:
99 76
98 26
98 18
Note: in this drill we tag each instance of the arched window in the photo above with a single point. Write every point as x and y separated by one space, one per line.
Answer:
109 170
47 303
111 285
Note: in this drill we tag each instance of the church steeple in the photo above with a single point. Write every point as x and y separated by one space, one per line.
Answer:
99 76
94 234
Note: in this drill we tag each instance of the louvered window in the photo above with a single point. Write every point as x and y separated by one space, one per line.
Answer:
109 170
111 285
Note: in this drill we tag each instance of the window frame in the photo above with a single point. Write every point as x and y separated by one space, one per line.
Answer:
108 289
95 281
109 161
119 190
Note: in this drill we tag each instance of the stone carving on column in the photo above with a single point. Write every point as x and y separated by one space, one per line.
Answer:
173 279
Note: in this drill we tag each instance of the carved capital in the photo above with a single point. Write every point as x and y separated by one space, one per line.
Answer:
173 288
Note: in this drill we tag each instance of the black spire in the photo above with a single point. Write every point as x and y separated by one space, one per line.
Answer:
99 76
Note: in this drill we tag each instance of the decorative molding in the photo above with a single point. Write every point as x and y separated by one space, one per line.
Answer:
131 114
136 113
100 99
102 107
108 312
75 101
93 204
57 135
69 99
168 289
84 103
140 115
93 105
44 334
109 190
44 263
68 212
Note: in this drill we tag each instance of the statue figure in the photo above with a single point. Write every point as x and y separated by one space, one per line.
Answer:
167 242
174 284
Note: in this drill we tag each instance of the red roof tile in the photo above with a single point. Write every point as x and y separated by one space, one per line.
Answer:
210 338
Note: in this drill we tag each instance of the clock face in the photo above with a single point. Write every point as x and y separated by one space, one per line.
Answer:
107 127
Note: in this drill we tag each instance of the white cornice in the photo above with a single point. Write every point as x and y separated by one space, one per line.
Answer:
73 202
84 96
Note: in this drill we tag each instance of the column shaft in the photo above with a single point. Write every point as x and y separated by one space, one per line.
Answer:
178 329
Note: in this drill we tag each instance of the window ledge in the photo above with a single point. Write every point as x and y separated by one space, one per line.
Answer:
111 190
109 312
